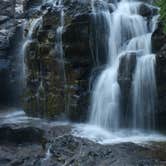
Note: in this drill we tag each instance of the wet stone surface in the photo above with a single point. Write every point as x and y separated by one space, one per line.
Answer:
66 149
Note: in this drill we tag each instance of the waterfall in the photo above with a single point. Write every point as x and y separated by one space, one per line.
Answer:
99 41
59 43
128 33
144 93
46 160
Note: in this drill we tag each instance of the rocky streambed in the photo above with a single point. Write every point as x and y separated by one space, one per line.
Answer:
35 142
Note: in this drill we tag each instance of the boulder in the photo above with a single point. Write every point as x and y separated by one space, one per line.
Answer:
126 71
147 10
18 135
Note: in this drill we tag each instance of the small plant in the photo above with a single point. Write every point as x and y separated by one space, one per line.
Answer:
162 5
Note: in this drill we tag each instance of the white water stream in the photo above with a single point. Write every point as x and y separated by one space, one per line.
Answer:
28 38
128 32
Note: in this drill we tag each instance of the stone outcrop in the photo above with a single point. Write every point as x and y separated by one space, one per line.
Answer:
126 71
147 10
17 135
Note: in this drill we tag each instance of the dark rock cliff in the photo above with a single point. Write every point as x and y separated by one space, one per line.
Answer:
11 15
57 85
159 48
7 28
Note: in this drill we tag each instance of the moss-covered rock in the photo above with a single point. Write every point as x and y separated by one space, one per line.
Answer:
162 5
57 86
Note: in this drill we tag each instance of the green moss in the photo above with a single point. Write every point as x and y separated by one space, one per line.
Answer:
162 5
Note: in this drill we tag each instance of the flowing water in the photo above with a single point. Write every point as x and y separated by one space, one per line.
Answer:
59 30
46 160
28 39
128 32
102 136
59 42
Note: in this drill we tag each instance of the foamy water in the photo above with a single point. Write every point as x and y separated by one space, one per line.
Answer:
15 116
102 136
90 132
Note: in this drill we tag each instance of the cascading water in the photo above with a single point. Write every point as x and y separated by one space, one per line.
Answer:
29 37
58 4
144 93
59 43
59 50
129 32
99 41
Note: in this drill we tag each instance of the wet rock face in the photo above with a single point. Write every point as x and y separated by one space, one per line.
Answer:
126 70
10 134
158 38
7 29
56 85
73 151
79 64
66 149
161 77
147 11
159 48
11 15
